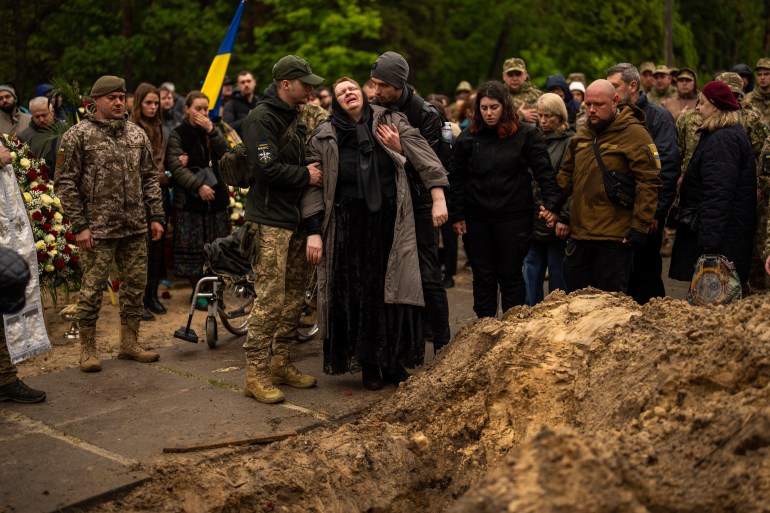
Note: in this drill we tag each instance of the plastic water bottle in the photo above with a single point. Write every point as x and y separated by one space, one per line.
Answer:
446 132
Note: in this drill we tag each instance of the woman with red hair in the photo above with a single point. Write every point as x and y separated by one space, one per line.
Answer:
491 196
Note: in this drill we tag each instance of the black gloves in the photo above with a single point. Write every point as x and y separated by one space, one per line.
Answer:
636 239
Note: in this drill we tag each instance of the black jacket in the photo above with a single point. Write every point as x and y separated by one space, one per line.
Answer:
489 178
237 109
557 143
660 124
720 185
280 173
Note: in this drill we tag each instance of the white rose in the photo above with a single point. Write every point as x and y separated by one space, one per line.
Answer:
49 268
46 199
59 228
232 202
58 216
244 191
49 238
57 202
32 185
27 197
13 155
238 204
40 245
24 163
234 216
53 252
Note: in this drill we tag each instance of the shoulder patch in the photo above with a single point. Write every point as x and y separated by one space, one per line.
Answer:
652 152
264 153
61 156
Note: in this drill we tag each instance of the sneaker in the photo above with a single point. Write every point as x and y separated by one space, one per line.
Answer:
19 392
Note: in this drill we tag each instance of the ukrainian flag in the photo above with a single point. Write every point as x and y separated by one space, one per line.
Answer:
212 86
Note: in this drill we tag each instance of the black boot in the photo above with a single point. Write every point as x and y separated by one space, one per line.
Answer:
395 376
151 298
19 392
370 376
147 315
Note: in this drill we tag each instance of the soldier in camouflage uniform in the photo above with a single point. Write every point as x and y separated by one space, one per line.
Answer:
645 71
687 126
759 98
524 96
662 90
312 116
105 176
273 240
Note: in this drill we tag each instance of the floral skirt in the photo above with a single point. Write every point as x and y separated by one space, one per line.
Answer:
362 327
191 231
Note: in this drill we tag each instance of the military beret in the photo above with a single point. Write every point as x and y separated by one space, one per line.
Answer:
106 85
514 64
720 94
764 62
733 80
292 67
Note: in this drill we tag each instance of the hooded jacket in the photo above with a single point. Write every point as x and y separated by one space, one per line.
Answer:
569 101
280 173
626 147
105 176
402 280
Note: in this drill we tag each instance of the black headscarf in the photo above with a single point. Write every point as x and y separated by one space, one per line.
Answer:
368 177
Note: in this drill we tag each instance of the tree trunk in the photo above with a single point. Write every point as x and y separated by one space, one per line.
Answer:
19 51
127 31
499 56
668 32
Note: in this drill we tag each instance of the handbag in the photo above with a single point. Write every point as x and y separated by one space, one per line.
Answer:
714 282
688 217
620 187
209 178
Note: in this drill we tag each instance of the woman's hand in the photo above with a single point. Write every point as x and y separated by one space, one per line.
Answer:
184 159
562 230
550 217
389 137
206 193
315 249
201 120
439 212
459 227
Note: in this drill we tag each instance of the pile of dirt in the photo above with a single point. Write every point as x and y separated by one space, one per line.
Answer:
585 403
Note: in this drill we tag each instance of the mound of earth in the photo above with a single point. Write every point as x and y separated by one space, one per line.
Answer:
585 403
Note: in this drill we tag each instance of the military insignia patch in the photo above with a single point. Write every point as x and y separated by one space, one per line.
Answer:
264 153
60 156
654 155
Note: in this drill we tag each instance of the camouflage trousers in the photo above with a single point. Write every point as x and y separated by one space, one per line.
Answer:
130 255
278 258
758 279
7 369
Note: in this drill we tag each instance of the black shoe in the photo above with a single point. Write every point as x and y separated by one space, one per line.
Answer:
395 376
147 315
152 304
19 392
448 282
370 376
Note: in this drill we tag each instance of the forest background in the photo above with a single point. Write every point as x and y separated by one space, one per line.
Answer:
445 41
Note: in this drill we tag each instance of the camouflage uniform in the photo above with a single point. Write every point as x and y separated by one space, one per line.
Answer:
7 369
656 97
312 116
759 100
105 176
525 97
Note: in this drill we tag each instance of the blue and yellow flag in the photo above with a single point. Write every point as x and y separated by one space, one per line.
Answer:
212 86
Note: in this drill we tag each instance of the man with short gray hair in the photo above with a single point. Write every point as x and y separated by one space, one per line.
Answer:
44 132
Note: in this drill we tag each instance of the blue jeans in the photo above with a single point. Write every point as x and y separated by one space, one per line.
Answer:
542 255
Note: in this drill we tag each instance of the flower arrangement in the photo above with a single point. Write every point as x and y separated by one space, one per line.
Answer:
57 254
237 207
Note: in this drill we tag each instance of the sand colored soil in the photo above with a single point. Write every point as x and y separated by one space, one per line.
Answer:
585 403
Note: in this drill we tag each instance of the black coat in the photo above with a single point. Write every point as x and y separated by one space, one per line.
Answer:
489 178
720 185
237 109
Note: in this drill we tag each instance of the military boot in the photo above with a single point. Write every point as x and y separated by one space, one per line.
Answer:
283 372
259 386
129 346
89 358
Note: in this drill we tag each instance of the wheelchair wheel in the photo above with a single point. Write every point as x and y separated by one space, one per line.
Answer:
308 323
211 331
235 306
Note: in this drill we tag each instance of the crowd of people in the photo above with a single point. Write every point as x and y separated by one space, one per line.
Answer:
587 184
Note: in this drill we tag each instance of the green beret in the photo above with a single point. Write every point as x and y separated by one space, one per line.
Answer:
106 85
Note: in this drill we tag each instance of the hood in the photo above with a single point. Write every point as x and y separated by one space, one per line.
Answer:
271 97
745 71
569 100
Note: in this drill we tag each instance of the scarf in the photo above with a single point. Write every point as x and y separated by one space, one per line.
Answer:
368 177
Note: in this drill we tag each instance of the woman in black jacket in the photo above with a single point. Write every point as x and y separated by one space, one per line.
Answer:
718 195
201 196
491 196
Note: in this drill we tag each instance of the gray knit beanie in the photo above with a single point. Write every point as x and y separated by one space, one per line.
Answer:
392 69
6 87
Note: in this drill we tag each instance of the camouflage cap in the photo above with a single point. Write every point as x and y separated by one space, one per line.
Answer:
646 66
514 64
764 62
106 85
661 70
687 73
733 80
292 67
463 86
576 77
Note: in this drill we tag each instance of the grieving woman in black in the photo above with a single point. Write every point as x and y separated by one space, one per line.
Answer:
491 196
361 235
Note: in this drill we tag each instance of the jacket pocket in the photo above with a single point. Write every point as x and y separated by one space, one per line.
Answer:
250 243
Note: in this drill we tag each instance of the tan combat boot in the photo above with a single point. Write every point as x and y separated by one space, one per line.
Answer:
89 357
283 372
130 348
259 386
